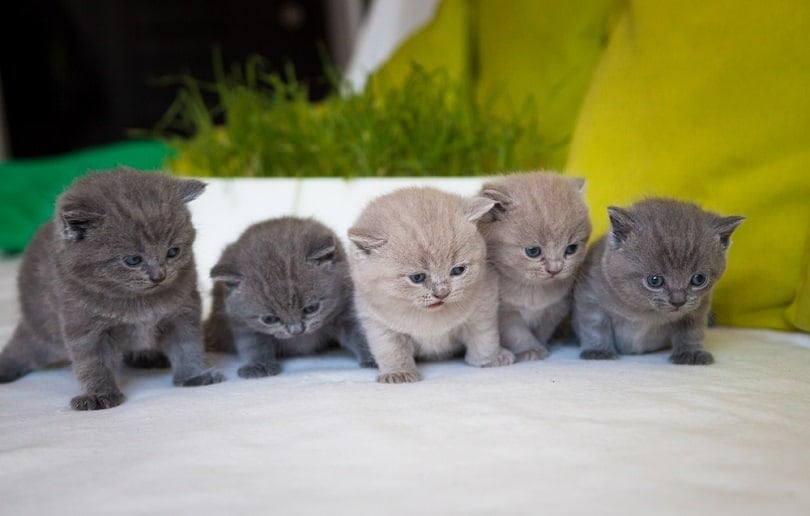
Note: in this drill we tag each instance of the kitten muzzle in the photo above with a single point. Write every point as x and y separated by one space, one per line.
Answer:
295 329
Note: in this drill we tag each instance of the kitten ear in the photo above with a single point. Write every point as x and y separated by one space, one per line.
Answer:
227 274
725 226
622 223
579 183
190 189
479 208
365 242
323 251
503 202
78 219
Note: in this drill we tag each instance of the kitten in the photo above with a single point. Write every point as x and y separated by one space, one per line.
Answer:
112 273
647 285
536 238
283 289
422 285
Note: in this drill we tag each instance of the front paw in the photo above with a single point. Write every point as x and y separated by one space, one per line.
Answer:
598 354
368 363
259 370
503 357
97 401
206 378
399 377
692 357
531 354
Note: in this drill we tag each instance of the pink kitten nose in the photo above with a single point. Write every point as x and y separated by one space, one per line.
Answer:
441 291
553 270
677 299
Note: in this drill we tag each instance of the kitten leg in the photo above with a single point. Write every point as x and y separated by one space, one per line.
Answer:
687 342
180 338
546 324
146 359
260 351
218 334
480 336
352 337
393 352
25 352
594 331
94 358
517 337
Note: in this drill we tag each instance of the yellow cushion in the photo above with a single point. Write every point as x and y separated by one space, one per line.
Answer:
708 101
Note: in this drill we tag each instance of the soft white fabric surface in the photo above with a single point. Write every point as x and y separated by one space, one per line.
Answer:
560 436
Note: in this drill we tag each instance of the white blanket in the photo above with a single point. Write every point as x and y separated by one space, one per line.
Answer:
560 436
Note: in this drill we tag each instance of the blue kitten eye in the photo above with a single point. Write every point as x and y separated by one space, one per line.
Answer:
270 319
533 252
311 309
458 271
172 252
419 277
571 249
698 280
132 261
655 281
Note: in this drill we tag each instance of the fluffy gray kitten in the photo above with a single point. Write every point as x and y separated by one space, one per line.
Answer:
646 286
112 275
537 237
422 284
283 289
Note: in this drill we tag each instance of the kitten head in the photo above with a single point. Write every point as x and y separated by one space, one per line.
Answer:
539 228
417 254
127 232
664 255
285 277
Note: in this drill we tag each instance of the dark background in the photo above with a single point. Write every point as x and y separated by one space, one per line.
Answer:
78 73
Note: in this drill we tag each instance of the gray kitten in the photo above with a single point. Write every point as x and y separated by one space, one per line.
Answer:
537 236
422 285
283 289
647 285
112 275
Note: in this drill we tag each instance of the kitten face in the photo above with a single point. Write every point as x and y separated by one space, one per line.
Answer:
286 277
665 256
539 228
127 232
417 253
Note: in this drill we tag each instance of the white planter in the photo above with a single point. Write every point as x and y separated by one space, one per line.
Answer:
228 206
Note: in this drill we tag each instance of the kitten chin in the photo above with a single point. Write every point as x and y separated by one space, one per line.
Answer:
283 289
423 288
646 285
82 285
536 235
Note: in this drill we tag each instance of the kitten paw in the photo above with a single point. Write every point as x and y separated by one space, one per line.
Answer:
503 357
147 359
692 357
531 354
368 363
598 354
258 370
207 378
399 377
97 401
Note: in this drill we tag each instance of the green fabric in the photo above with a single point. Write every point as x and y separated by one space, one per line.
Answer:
29 187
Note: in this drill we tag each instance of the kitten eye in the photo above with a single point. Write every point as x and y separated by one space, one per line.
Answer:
571 249
698 280
172 252
270 319
458 271
419 277
655 281
533 252
311 309
132 261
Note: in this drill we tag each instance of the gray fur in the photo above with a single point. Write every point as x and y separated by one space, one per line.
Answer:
81 302
615 311
278 268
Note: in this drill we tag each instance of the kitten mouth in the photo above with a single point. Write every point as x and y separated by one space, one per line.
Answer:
437 304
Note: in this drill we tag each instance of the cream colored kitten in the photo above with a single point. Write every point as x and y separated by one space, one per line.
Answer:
536 237
422 285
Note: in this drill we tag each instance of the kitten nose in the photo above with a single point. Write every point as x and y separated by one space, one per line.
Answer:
157 275
440 291
295 329
553 268
677 299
